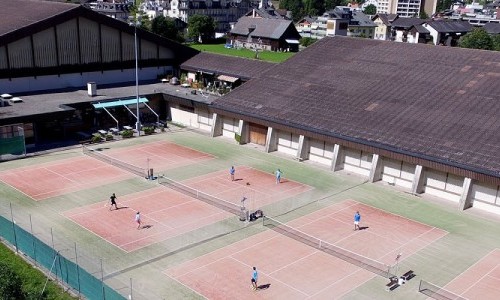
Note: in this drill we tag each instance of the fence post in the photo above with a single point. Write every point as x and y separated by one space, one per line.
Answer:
13 227
77 272
33 239
102 282
130 295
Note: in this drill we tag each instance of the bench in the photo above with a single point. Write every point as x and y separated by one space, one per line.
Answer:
102 132
127 127
392 285
408 275
114 131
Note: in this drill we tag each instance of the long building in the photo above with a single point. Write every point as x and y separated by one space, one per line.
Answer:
424 119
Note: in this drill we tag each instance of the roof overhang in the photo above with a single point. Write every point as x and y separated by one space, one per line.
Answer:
119 102
292 41
227 78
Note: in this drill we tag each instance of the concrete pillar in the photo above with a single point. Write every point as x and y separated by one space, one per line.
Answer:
271 140
336 158
417 186
466 197
302 150
216 125
376 169
243 129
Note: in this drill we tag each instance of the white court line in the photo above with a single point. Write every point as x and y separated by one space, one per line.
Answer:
268 275
370 277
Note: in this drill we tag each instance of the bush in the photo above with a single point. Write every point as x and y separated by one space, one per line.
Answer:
148 130
10 283
307 41
96 138
127 134
109 137
237 137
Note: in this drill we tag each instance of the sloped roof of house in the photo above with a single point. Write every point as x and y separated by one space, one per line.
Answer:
435 106
21 13
360 19
267 28
492 28
387 19
226 65
406 23
420 29
267 13
449 26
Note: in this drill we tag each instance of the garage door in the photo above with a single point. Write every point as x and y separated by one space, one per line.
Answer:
258 134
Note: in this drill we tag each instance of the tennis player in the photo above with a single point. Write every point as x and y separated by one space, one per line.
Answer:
138 220
113 202
278 176
357 219
255 277
231 172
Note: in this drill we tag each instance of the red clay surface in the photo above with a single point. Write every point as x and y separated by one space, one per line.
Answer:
74 174
258 187
296 271
60 177
162 155
165 213
168 213
480 281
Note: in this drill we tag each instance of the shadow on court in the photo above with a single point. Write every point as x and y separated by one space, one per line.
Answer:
363 227
146 226
264 286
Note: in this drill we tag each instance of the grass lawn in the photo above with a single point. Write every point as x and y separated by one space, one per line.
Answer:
269 56
33 279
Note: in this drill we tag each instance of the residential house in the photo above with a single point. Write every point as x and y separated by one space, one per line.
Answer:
223 12
304 26
406 8
401 27
119 10
418 34
360 25
343 21
383 23
447 32
265 34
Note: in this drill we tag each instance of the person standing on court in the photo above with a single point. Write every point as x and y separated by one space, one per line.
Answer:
138 220
231 172
278 176
255 278
113 202
357 218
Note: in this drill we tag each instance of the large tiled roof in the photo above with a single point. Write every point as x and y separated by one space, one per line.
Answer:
439 104
21 13
226 65
447 26
266 28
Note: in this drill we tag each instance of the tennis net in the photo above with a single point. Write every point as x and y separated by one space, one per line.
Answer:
113 161
437 292
344 254
212 200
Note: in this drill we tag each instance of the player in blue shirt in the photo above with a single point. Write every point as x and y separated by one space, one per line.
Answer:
255 277
231 172
357 218
278 176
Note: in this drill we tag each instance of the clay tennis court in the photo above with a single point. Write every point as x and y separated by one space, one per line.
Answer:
64 176
481 280
289 269
167 213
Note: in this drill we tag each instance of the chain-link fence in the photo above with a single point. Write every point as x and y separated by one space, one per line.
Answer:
68 265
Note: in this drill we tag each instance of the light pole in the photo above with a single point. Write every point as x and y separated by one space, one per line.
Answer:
136 22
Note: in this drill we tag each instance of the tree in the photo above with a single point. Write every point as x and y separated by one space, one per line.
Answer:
478 38
370 9
423 15
496 42
137 16
165 26
10 283
201 26
307 41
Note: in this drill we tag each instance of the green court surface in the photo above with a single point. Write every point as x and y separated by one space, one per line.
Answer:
141 273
